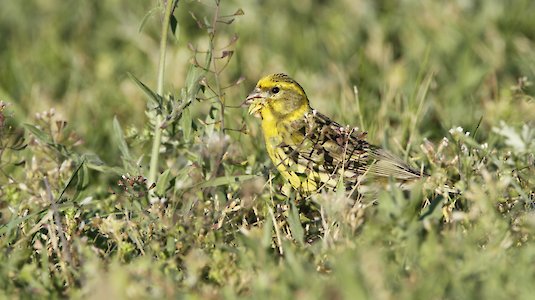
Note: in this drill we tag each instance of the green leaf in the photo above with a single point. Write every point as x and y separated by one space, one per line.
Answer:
175 27
155 99
79 175
188 94
120 140
295 224
340 187
182 179
193 82
239 12
186 124
93 162
163 182
147 16
47 139
170 244
39 134
267 235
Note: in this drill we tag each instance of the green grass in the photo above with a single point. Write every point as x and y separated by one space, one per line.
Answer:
80 219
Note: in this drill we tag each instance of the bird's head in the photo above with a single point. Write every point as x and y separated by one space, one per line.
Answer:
278 95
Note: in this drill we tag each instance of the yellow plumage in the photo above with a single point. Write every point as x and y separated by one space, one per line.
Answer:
311 151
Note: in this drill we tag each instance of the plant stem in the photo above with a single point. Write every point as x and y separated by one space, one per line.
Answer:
156 142
65 259
216 72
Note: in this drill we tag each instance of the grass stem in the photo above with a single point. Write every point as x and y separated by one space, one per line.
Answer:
156 142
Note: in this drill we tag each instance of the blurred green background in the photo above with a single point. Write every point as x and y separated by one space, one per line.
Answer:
74 56
420 68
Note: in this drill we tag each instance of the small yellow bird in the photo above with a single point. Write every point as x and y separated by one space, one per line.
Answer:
313 152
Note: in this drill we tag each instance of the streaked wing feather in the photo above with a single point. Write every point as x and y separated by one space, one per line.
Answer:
319 151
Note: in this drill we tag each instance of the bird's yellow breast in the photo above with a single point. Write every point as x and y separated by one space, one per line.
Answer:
272 136
269 125
277 131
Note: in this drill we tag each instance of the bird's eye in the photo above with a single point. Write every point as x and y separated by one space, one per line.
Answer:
275 90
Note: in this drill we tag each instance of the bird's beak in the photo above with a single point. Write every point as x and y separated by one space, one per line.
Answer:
256 101
254 96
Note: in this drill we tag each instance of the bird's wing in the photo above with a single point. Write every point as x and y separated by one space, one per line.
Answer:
323 149
388 165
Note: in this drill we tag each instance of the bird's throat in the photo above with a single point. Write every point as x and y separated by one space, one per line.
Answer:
273 123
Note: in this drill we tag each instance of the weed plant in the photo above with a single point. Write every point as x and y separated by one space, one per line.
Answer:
129 168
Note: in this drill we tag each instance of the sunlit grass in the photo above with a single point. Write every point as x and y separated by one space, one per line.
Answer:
447 85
